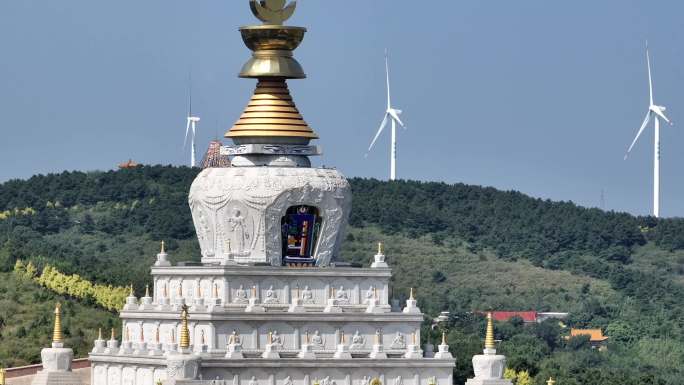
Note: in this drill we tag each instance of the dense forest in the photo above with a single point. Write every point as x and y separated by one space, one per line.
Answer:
465 248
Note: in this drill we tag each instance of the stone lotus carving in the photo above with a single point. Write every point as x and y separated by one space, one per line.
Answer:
237 211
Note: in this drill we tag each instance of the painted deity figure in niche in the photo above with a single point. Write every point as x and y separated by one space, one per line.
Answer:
271 296
239 238
358 341
399 341
342 297
241 296
307 296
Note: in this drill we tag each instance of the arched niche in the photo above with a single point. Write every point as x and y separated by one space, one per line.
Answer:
300 231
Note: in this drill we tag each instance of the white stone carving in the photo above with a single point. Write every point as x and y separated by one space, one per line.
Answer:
358 342
399 342
240 296
271 296
234 208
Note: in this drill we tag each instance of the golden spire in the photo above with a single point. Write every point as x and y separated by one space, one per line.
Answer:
380 247
142 334
147 290
271 112
215 293
413 338
131 294
254 291
199 291
551 381
306 338
270 337
444 340
113 337
342 337
489 337
156 335
185 332
99 334
411 294
377 337
57 332
162 248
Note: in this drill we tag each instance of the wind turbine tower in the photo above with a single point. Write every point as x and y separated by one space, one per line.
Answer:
391 114
656 112
192 125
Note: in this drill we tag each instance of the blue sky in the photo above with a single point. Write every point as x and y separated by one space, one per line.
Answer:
537 96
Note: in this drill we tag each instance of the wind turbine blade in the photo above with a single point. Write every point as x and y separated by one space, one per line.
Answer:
660 113
643 125
395 116
382 127
650 82
187 130
389 102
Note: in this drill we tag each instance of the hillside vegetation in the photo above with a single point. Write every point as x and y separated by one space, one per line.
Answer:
464 248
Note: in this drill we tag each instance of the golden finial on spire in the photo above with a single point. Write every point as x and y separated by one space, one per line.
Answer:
199 291
272 12
156 335
306 338
444 340
254 291
113 337
215 290
380 251
180 289
377 337
270 337
163 250
57 332
342 337
147 290
142 334
411 294
131 294
413 338
551 381
99 334
185 332
489 337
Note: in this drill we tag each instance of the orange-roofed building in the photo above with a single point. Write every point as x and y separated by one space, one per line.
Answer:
128 164
596 337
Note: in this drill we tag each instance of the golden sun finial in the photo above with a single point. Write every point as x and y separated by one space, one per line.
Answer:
489 337
380 248
57 332
272 12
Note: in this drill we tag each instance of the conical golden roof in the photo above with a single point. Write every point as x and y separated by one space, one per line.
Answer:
271 113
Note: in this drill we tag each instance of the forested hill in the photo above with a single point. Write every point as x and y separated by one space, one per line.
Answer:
465 248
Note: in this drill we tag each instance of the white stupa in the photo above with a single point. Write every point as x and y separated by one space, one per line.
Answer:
268 305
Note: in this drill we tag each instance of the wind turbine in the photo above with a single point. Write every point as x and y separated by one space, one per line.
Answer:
391 114
656 112
192 124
